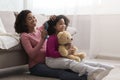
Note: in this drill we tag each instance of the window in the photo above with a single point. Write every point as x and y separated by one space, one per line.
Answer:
62 6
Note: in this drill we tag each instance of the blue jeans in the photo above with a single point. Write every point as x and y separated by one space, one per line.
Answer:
44 71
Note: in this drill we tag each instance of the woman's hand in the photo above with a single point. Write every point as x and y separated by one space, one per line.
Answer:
43 34
52 17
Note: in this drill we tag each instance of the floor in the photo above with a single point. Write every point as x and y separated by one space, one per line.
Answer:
17 74
20 73
115 73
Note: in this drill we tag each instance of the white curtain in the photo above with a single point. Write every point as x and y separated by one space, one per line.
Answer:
80 19
62 6
11 5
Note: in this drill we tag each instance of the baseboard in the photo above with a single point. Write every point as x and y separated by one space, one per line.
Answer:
107 57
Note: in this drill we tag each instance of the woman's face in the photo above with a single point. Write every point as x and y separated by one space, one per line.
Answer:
30 21
60 26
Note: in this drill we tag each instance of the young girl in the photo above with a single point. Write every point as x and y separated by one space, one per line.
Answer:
33 41
54 60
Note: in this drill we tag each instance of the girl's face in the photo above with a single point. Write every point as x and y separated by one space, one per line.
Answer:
60 26
30 21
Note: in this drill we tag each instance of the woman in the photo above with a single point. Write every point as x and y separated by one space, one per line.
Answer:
34 42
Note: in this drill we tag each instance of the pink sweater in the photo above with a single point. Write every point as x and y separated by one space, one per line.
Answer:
34 46
52 47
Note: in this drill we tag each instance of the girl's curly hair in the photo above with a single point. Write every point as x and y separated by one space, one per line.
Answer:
52 23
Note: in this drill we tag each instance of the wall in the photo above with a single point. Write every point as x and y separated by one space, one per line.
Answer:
82 25
105 35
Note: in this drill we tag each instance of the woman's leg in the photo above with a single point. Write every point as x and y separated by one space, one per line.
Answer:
66 75
43 70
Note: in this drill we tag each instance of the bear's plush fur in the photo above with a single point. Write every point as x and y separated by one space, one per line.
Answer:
66 48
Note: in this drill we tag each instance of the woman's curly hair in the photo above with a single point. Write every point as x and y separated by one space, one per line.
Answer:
20 23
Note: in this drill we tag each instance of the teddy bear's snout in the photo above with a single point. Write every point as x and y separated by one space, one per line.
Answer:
71 38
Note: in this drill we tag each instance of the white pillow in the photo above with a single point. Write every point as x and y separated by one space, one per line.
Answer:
8 40
2 29
72 30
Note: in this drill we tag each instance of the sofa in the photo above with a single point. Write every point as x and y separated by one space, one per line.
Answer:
15 55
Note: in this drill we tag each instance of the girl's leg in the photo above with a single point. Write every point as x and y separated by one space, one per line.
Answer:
78 67
81 68
65 63
94 73
58 63
100 65
43 70
96 64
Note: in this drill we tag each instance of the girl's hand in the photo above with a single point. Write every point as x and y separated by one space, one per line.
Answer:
52 17
70 51
43 34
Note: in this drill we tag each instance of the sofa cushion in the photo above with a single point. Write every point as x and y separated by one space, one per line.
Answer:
2 29
8 19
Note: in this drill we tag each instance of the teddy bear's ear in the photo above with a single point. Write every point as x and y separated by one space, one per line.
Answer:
59 34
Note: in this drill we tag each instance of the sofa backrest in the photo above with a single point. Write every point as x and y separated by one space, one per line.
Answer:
8 19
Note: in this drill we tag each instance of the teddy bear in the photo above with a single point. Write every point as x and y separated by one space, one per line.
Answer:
67 49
